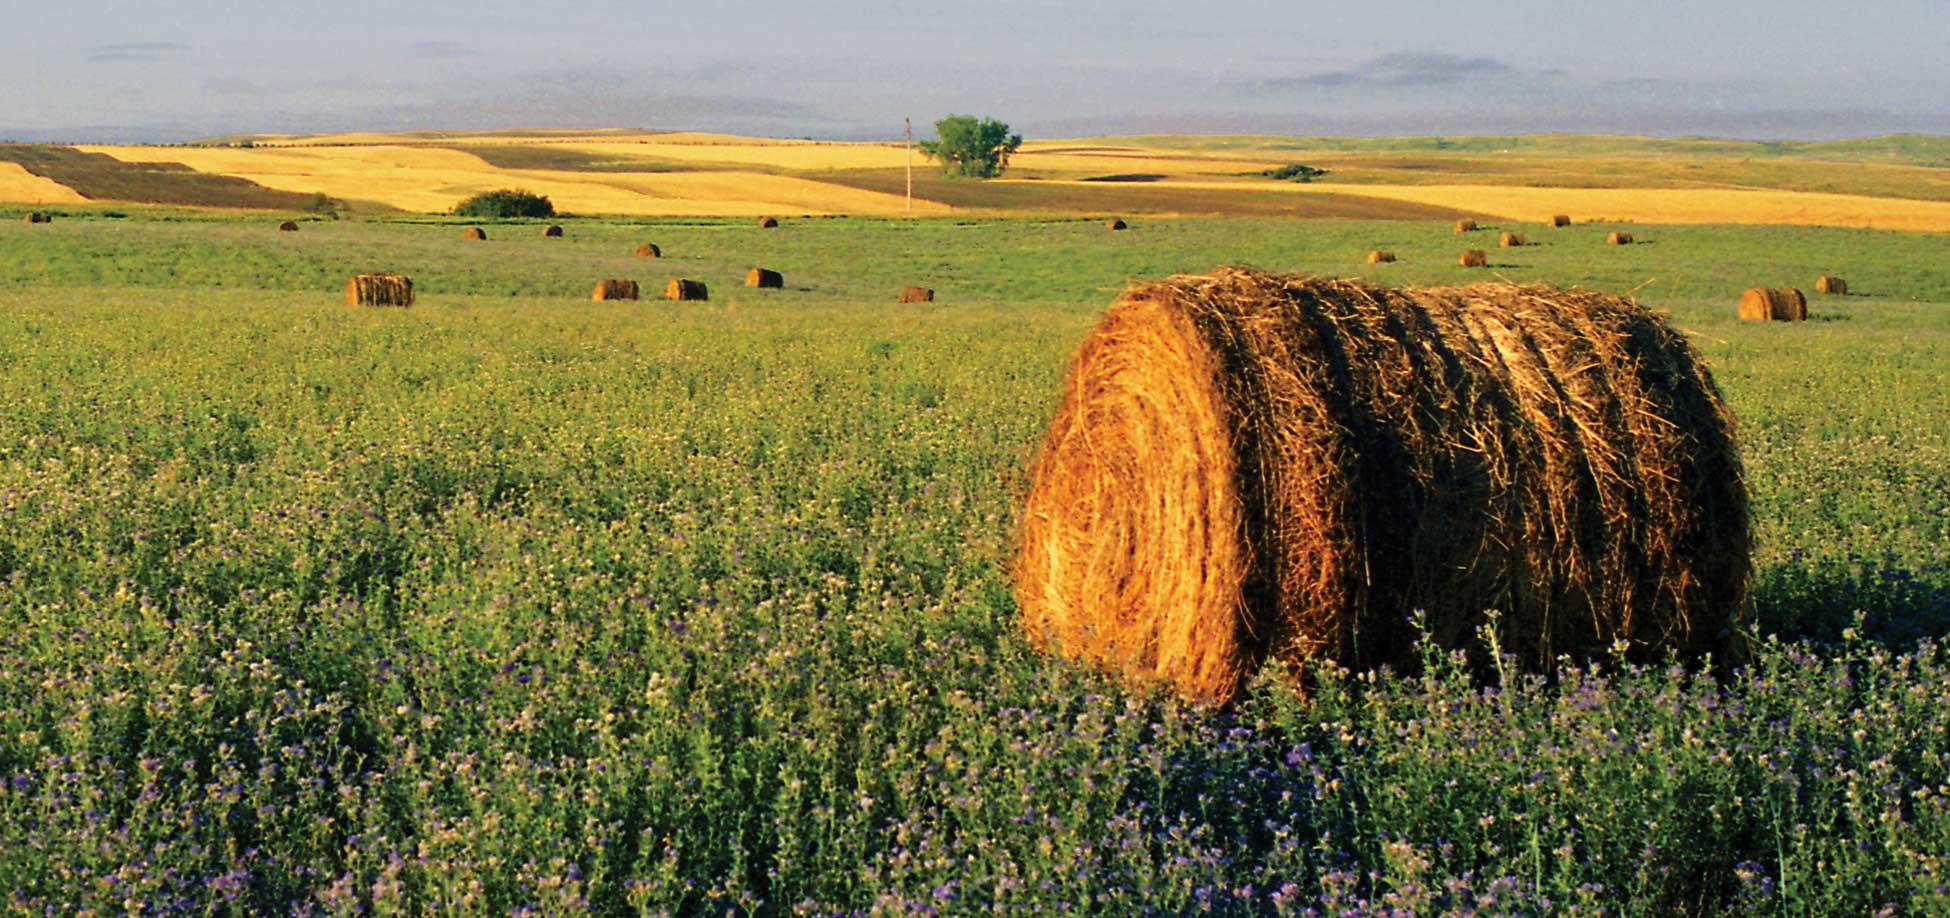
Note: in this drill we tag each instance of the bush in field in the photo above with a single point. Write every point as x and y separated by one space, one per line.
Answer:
971 148
506 203
1295 172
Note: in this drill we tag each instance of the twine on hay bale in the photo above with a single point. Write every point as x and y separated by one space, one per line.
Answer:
681 289
1619 238
1774 304
379 290
1474 258
287 227
552 232
767 223
1560 221
1248 466
1116 224
1833 286
1510 240
475 233
760 277
649 250
1379 257
611 289
1465 226
913 294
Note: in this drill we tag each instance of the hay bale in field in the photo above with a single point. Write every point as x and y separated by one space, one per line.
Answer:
913 294
767 223
1618 238
379 290
760 277
1774 304
614 290
1560 221
1511 240
1474 258
1834 286
681 289
552 232
475 233
1465 226
1379 257
649 250
36 216
1248 466
1116 224
287 227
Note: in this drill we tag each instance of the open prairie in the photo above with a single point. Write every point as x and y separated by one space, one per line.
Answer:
516 601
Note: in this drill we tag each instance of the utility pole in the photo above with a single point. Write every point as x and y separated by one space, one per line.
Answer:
910 164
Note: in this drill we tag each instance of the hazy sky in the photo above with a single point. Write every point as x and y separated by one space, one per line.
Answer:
178 69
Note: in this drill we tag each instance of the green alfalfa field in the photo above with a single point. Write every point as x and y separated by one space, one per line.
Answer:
514 601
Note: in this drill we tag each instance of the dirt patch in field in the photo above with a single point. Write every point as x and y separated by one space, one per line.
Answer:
1138 198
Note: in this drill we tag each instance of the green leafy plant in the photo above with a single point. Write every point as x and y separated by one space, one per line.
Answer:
971 148
506 203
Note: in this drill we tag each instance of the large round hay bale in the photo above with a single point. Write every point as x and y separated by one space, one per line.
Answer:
913 294
649 250
681 289
1247 466
1116 224
611 289
1465 226
1833 286
1510 240
1774 304
552 232
287 227
379 290
1560 221
760 277
1474 258
767 223
1618 238
35 216
475 233
1380 257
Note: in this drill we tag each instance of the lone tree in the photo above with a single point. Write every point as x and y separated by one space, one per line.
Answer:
971 148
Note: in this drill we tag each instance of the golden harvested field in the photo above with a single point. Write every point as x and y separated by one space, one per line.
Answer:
19 186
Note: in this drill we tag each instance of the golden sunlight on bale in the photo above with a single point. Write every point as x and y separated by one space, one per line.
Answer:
553 232
913 294
649 250
1379 257
287 227
1833 286
1248 466
681 289
614 290
1617 238
1774 304
767 223
1474 258
1510 240
36 217
1465 226
1116 224
760 277
474 232
379 290
1560 221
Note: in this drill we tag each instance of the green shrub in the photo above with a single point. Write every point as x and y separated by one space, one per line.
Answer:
505 203
1295 173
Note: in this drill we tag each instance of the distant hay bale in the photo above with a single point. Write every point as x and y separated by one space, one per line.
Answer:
1510 240
681 289
1774 304
474 232
287 227
913 294
379 290
614 290
1248 466
1560 221
1618 238
1116 224
1834 286
767 223
36 217
1465 226
553 232
649 250
760 277
1475 258
1379 257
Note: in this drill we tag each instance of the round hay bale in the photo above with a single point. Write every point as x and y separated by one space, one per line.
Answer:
1474 258
1618 238
379 290
1833 286
36 217
1465 226
767 223
1116 224
913 294
1774 304
649 250
614 290
552 232
1379 257
1248 466
475 233
760 277
681 289
1510 240
287 227
1560 221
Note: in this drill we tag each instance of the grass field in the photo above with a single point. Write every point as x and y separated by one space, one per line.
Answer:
517 601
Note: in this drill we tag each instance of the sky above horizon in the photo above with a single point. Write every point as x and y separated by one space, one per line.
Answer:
143 71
